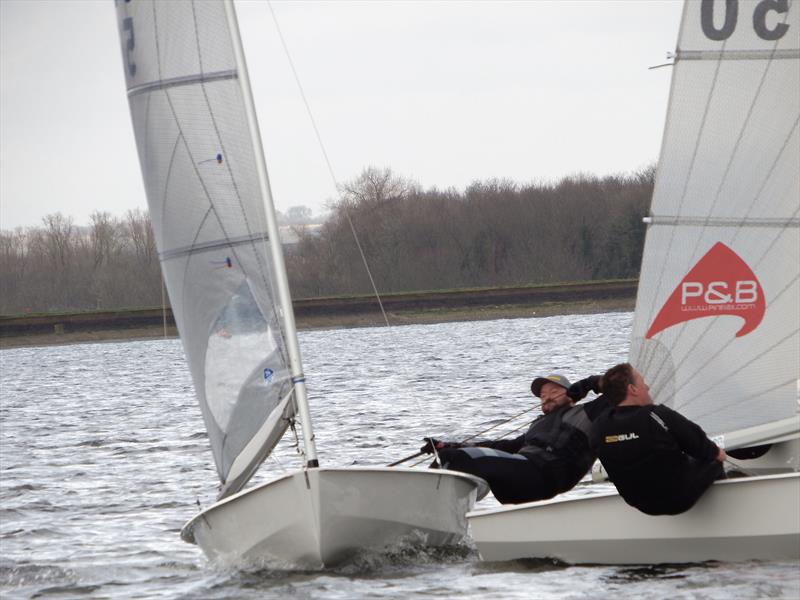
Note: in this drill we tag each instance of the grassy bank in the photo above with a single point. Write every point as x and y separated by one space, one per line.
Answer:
328 313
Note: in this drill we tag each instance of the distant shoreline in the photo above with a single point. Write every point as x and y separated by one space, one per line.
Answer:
334 313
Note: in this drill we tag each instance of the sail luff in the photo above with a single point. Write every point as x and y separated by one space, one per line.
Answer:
282 282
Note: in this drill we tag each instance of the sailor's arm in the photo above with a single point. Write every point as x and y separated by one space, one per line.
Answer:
580 389
690 436
511 446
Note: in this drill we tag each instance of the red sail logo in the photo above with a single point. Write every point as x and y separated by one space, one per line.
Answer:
720 283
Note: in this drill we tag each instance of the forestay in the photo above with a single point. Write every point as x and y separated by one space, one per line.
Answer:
208 214
716 324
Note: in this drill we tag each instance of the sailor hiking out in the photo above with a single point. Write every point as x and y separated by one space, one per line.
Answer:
659 461
550 458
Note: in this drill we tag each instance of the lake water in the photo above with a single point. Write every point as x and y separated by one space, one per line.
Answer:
103 457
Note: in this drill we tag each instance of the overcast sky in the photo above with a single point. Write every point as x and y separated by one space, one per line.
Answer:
441 92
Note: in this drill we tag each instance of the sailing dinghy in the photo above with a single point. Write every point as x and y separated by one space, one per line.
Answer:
715 330
208 192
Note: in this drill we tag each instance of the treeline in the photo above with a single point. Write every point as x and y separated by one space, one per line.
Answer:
111 263
493 233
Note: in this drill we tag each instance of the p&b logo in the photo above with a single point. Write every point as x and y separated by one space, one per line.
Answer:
718 292
721 283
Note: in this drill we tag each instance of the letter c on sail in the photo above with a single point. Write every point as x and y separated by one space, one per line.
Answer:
721 283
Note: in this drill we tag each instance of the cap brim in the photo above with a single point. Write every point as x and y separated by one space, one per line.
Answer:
536 385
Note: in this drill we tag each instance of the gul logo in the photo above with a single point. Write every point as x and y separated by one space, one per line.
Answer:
622 437
720 283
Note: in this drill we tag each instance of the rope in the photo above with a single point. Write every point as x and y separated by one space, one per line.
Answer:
163 307
297 445
472 437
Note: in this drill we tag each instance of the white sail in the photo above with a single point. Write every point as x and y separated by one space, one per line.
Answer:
716 330
209 216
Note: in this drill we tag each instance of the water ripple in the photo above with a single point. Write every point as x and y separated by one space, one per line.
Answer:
104 456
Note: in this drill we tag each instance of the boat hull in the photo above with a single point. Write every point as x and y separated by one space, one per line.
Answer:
322 517
736 519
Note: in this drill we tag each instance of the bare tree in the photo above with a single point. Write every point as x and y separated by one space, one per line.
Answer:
105 238
13 262
493 233
375 186
140 230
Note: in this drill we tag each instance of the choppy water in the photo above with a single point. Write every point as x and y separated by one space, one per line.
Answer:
103 457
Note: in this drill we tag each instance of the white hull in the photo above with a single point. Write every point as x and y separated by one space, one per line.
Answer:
335 513
736 519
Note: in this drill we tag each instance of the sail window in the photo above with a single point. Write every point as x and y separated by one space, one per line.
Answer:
237 345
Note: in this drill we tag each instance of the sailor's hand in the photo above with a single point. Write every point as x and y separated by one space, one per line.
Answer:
579 389
430 443
722 456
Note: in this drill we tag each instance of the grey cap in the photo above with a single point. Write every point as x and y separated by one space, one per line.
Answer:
536 384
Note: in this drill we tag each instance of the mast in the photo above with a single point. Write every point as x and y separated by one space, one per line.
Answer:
282 281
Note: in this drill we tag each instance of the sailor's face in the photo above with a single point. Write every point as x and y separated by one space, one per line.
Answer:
553 396
642 389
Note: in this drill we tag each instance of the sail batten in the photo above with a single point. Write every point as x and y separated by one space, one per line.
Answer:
197 78
717 330
688 221
215 245
210 221
717 55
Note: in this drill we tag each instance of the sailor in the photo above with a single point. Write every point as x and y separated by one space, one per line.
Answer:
660 461
550 458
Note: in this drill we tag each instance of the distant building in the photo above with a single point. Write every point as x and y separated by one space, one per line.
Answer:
290 234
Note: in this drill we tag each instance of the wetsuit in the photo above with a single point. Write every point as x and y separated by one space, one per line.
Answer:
660 461
550 458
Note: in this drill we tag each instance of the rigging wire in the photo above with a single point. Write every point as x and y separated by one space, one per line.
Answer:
333 177
328 164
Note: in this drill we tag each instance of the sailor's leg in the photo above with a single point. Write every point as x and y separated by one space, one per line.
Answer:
512 477
697 480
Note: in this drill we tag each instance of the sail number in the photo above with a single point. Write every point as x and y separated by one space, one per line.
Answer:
127 26
129 39
760 13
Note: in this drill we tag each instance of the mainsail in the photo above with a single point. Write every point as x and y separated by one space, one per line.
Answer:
716 330
208 212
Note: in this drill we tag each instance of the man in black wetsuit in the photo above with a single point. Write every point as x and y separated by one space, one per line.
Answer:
550 458
660 462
